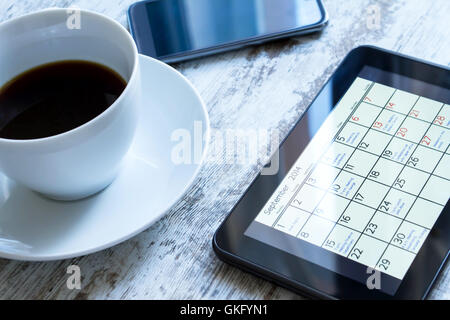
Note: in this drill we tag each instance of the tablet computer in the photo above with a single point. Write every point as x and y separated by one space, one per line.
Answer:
358 208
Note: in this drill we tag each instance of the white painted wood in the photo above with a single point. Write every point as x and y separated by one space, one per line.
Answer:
264 87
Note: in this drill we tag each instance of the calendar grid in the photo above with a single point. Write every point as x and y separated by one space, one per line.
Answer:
337 135
365 205
374 192
394 160
379 157
408 115
358 175
370 236
404 219
399 174
312 169
343 169
364 177
431 174
425 146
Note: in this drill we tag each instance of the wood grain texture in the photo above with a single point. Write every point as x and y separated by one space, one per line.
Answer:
264 87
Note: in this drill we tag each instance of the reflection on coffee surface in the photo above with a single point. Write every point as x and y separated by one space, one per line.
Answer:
56 97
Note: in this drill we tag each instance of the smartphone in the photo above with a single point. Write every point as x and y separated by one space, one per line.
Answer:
178 30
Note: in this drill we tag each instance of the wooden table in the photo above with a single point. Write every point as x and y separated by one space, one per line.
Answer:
264 87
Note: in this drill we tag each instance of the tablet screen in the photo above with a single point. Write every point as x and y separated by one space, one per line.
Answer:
370 184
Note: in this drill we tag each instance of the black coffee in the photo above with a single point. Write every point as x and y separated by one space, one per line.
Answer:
55 98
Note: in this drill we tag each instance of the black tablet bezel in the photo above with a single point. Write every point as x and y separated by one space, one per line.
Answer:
298 274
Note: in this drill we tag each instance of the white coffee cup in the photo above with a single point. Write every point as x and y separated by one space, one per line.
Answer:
83 161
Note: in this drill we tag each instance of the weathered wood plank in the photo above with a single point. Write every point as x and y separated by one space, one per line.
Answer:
265 87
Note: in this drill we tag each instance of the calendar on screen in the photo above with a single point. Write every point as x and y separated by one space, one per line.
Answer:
372 182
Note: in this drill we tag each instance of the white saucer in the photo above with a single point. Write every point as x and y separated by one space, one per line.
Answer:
148 185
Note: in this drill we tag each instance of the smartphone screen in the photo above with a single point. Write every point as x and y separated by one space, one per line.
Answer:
164 28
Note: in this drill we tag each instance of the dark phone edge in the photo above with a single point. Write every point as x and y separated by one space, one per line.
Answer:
277 278
236 46
200 53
